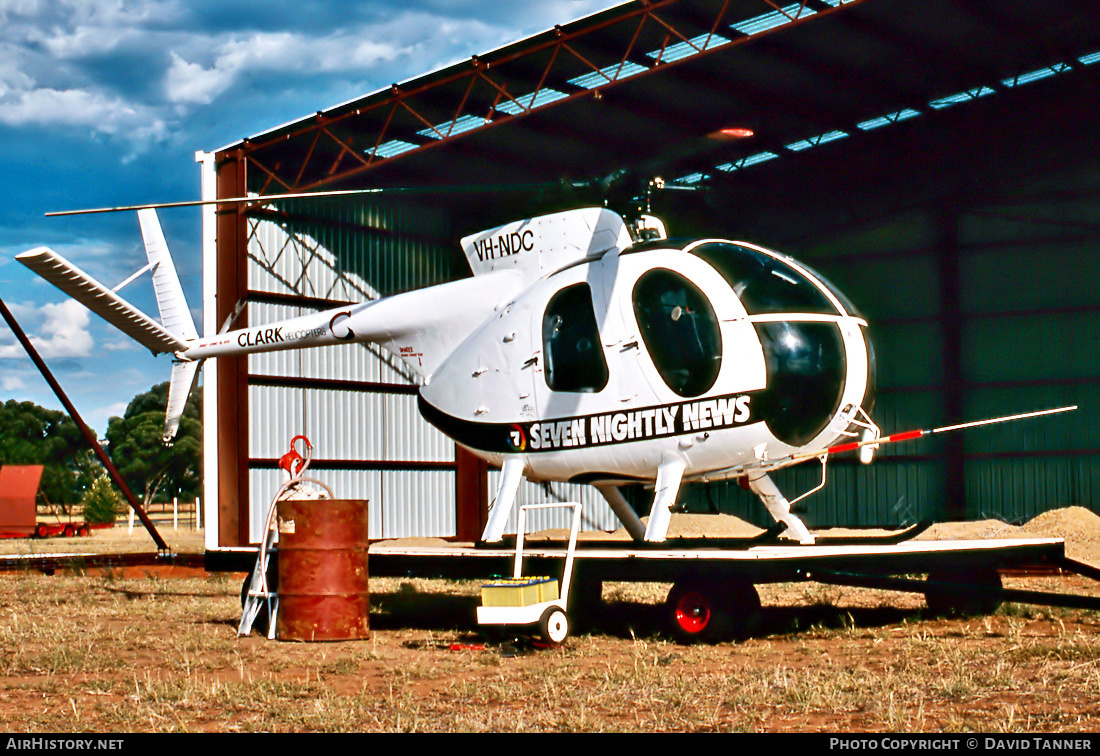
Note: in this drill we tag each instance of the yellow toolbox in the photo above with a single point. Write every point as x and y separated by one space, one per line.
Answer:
522 591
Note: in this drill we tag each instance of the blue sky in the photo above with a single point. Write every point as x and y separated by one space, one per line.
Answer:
105 102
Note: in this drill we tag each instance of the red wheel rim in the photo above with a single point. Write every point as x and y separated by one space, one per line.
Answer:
692 612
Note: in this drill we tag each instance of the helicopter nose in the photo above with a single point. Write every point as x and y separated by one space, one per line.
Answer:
868 402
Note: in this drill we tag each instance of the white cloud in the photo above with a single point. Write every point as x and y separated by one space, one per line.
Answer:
65 331
67 106
11 383
119 346
118 409
236 56
58 331
192 84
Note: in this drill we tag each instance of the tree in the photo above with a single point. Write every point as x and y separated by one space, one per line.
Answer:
146 463
33 435
102 503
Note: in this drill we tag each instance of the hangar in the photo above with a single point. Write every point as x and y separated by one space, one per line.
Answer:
935 159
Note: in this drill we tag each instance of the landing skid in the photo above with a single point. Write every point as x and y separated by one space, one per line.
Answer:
888 539
770 537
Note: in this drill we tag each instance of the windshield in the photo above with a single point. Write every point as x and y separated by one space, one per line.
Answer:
763 283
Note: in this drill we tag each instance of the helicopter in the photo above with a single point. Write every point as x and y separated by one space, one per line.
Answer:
583 349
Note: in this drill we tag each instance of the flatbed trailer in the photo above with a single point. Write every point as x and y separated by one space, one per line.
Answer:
713 596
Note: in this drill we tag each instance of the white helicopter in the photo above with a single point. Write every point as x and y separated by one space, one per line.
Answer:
584 350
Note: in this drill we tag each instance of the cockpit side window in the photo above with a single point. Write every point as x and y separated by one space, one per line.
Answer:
571 342
763 283
680 331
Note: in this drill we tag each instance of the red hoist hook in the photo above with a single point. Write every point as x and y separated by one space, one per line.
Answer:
294 463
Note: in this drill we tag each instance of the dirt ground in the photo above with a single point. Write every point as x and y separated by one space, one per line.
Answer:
149 650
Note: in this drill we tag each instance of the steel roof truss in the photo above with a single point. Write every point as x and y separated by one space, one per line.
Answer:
326 154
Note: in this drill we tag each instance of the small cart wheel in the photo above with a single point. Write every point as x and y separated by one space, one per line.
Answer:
554 626
83 530
41 530
68 531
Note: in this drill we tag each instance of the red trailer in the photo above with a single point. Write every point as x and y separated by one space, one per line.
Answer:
18 511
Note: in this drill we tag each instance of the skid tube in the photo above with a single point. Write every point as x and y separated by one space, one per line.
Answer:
1037 598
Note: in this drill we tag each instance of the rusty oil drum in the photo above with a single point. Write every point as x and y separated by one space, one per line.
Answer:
323 586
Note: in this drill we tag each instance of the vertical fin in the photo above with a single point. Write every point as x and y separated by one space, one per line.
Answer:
184 374
175 316
174 313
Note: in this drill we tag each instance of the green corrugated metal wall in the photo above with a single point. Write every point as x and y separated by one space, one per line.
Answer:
395 246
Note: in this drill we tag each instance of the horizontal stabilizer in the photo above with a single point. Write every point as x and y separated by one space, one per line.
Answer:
101 300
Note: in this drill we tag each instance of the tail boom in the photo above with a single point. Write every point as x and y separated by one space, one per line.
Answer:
422 327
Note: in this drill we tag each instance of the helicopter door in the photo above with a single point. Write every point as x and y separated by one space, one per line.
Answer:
572 371
574 361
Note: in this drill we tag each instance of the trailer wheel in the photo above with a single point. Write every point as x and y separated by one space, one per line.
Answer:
702 611
554 626
968 593
68 531
83 530
41 530
585 602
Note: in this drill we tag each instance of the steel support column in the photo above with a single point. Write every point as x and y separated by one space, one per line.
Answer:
471 495
232 382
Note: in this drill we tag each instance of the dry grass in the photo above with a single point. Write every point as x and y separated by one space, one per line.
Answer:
114 540
148 654
137 653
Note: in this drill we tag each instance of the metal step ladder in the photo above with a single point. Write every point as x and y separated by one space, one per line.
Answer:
260 594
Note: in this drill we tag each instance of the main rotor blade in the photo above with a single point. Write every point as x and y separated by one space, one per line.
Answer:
471 188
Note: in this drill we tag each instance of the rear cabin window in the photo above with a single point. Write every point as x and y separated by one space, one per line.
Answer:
680 331
571 342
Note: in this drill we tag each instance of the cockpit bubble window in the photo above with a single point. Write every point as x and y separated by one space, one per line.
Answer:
680 331
765 284
571 342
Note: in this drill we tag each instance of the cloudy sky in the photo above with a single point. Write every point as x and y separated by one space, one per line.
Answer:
105 102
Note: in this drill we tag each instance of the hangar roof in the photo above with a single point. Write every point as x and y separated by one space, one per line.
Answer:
695 91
